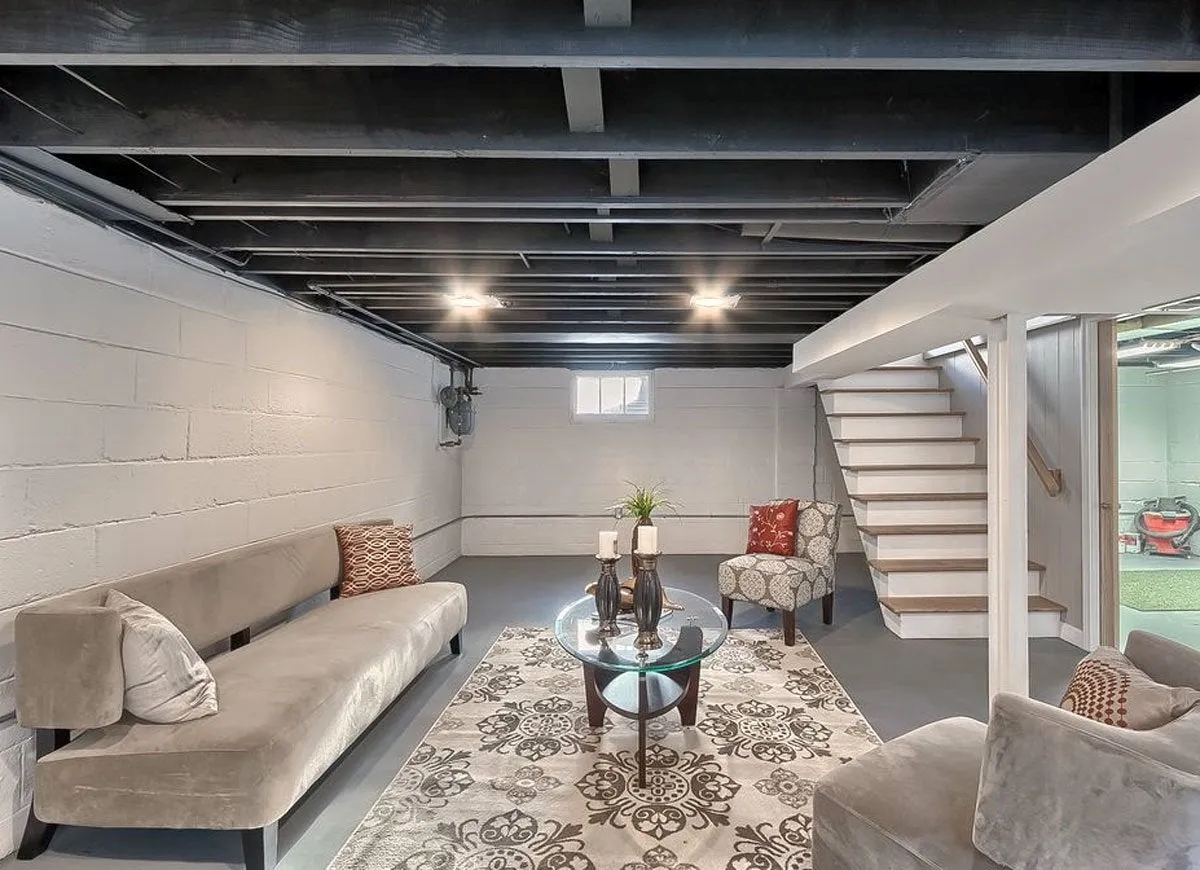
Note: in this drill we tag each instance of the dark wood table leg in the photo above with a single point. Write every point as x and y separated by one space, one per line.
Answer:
643 704
691 696
595 704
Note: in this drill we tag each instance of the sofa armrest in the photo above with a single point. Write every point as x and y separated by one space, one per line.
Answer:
1164 661
69 672
1057 790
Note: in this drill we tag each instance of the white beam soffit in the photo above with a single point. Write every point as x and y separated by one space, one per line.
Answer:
1116 236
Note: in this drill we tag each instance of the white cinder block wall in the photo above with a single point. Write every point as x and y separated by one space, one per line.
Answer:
151 413
537 483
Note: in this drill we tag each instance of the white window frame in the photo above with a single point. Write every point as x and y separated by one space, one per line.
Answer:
576 417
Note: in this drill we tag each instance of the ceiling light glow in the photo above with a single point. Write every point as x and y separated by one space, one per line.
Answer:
714 302
472 301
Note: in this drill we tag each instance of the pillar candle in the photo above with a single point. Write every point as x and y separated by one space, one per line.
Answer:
647 541
608 545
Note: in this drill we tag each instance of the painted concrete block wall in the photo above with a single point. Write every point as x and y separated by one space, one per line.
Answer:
1055 419
151 413
535 482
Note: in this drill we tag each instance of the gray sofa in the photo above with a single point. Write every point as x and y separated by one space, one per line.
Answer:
1038 788
292 698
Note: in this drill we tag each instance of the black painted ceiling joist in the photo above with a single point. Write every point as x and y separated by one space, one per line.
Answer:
898 34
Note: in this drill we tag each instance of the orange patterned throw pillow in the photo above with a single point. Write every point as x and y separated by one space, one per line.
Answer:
773 528
1109 688
376 557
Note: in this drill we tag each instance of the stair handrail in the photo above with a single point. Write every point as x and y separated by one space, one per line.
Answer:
1051 478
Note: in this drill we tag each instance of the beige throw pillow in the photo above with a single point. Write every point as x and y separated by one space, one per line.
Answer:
165 679
1109 688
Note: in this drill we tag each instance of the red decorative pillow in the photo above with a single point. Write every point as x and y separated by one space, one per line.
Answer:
773 528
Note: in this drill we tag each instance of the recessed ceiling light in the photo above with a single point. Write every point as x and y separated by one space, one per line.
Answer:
472 301
713 302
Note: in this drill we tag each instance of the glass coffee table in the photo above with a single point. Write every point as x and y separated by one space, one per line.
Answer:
642 684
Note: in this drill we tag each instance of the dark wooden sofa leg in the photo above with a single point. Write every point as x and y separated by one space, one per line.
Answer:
727 609
789 628
261 847
38 834
827 609
456 644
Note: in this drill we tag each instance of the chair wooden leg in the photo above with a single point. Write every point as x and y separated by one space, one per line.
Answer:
827 609
456 644
727 609
260 847
789 628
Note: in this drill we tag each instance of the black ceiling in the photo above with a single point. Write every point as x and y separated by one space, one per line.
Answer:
591 163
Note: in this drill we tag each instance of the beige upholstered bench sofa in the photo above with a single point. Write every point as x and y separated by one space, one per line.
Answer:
292 699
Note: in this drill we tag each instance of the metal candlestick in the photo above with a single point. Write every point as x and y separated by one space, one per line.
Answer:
647 602
608 597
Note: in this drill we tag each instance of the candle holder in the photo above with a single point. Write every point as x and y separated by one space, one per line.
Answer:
647 602
608 596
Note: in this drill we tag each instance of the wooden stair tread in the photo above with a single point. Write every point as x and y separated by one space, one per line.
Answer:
931 529
888 390
940 439
932 566
959 604
904 414
920 496
958 466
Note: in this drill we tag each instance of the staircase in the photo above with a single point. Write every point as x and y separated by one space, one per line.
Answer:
919 496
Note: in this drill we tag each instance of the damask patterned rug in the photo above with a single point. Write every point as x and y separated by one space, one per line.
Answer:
512 778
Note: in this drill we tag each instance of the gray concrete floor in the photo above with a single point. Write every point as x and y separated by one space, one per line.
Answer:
898 684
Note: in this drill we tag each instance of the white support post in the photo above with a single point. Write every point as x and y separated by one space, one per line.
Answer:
1008 509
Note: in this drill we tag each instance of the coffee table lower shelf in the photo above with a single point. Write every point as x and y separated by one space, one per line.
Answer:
641 696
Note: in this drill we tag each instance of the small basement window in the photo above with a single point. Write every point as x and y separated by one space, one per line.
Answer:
611 396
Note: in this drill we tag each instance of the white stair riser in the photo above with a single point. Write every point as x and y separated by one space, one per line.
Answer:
931 583
895 379
850 428
917 513
883 402
933 625
932 546
917 480
907 453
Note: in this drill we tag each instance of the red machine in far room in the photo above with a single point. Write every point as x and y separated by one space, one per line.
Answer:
1167 525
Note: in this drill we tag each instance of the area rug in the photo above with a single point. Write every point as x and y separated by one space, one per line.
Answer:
1161 590
512 778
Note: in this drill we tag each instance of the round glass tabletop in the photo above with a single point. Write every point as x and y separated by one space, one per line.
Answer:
689 634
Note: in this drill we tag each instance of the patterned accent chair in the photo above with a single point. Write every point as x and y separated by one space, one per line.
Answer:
786 583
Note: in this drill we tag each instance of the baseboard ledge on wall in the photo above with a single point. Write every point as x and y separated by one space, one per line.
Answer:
1073 636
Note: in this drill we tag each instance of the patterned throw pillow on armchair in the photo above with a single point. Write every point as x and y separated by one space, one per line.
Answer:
773 528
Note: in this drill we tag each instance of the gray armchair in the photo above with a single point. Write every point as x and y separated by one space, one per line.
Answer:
1038 789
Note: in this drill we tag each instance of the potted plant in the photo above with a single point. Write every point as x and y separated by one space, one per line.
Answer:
641 503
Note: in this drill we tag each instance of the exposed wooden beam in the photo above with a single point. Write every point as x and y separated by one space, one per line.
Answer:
651 114
795 272
1003 34
431 183
530 239
315 213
